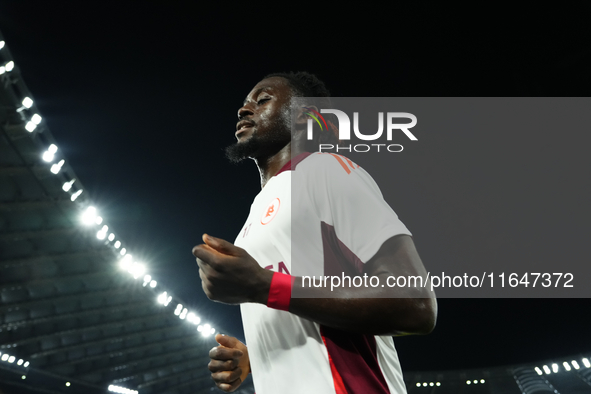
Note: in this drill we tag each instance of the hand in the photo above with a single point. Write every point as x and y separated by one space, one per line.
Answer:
229 274
229 363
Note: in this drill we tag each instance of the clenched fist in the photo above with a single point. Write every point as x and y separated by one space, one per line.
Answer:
229 363
229 274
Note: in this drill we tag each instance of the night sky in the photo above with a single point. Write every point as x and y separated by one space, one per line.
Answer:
143 99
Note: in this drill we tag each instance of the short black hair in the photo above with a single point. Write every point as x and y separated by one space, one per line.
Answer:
305 84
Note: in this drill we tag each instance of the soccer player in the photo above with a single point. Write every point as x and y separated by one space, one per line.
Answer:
340 340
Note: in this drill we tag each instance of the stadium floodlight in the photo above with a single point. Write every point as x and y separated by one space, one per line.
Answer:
2 70
425 384
117 244
89 215
27 102
26 364
126 262
68 384
123 251
546 369
193 318
11 359
103 233
57 167
137 270
178 309
98 220
575 364
482 381
418 384
205 330
438 384
468 382
475 381
76 195
9 66
131 268
30 126
4 357
111 237
23 377
431 384
566 366
68 185
121 390
153 284
164 299
20 362
183 314
2 43
50 153
538 370
555 368
586 362
36 118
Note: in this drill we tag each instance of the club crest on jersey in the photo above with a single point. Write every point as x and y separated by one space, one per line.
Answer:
270 212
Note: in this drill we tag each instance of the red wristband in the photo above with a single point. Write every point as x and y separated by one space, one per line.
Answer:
280 291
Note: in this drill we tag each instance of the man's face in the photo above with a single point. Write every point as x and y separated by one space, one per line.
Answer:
264 124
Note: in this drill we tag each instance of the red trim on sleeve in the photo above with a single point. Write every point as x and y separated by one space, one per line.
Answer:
341 162
280 291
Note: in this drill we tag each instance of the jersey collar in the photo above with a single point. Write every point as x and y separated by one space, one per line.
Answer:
291 165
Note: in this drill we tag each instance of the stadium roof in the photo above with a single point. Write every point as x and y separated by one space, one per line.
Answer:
77 312
568 375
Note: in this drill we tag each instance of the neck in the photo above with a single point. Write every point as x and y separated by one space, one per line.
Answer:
270 166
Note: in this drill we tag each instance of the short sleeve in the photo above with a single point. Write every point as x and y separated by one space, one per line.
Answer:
349 202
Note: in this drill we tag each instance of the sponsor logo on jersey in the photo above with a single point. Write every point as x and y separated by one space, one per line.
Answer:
270 212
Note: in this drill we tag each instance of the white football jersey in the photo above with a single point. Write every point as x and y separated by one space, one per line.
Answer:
341 220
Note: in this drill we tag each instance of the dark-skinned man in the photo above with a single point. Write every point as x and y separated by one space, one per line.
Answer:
332 340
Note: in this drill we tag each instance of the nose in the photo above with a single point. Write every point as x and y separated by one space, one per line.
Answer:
246 110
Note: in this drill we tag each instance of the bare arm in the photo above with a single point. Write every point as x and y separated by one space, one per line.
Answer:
392 311
229 274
